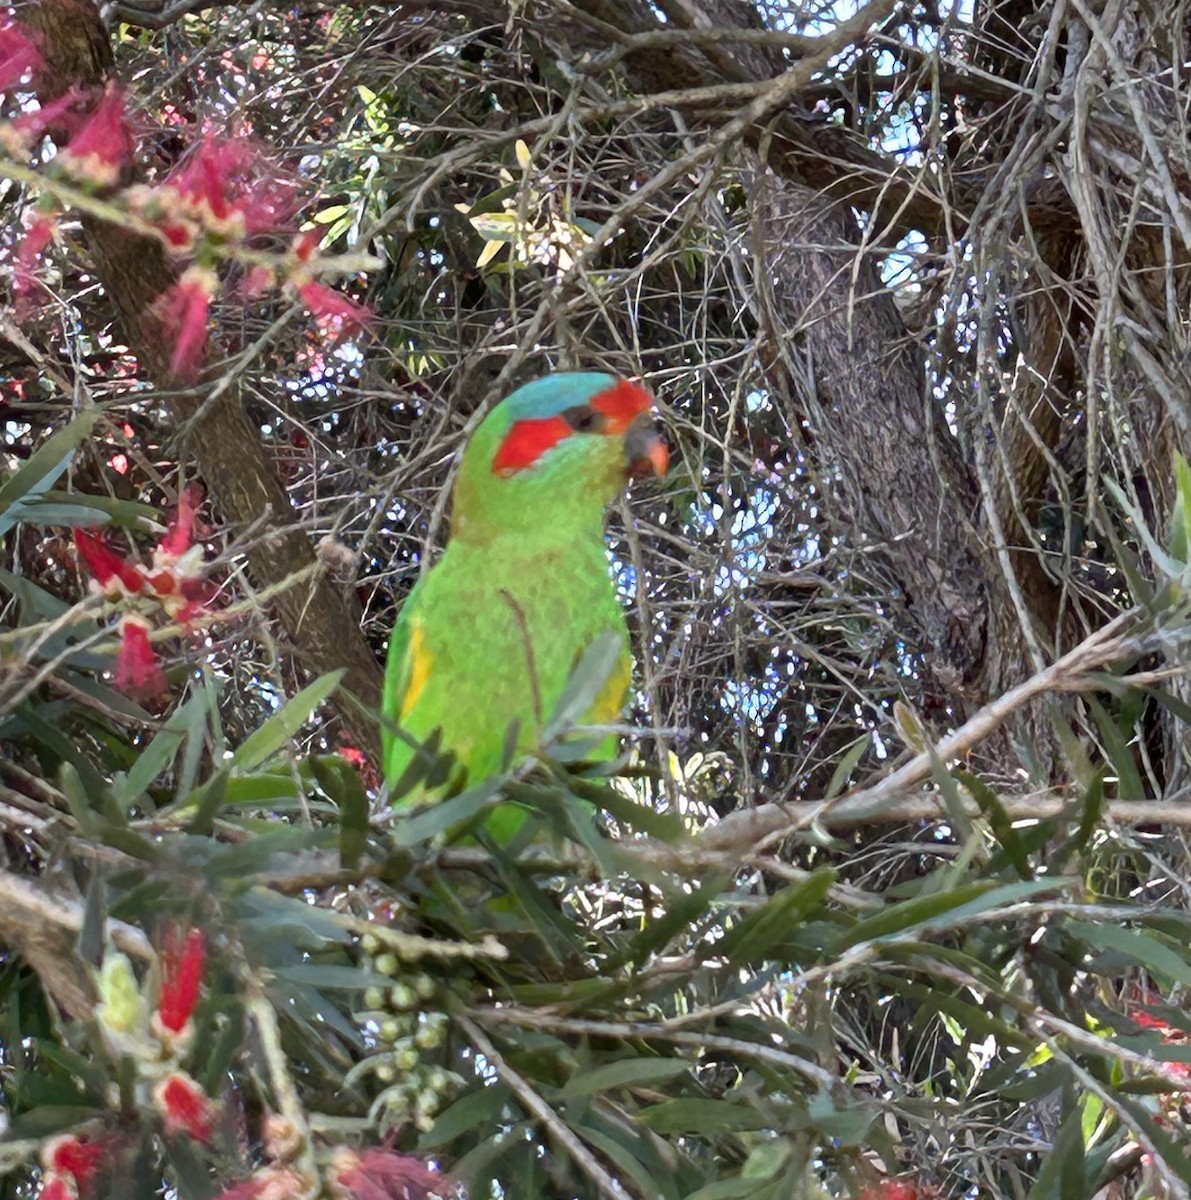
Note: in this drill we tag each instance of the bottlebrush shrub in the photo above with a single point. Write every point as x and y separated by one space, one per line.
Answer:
224 196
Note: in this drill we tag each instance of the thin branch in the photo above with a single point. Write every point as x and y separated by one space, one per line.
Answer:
750 827
537 1107
621 1030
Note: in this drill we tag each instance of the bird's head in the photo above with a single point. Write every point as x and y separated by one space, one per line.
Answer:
558 448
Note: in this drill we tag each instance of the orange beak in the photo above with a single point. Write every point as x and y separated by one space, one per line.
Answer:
646 452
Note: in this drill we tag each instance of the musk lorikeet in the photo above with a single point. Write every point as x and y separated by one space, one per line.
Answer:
492 632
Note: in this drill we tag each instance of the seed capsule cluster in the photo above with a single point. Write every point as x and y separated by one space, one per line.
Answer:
409 1036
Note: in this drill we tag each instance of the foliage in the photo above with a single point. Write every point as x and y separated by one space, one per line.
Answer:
840 925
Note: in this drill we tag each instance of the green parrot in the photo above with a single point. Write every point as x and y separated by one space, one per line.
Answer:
492 632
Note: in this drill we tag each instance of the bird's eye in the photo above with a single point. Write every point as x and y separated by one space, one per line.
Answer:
582 419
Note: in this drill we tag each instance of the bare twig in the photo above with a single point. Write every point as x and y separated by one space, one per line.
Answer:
537 1107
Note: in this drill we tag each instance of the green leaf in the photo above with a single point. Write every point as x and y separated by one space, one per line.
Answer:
703 1116
959 902
1116 745
43 467
1140 946
482 1108
628 1072
846 1126
585 684
666 827
410 831
340 780
330 978
496 227
1061 1176
757 934
156 757
1179 537
683 910
998 820
739 1188
625 1161
283 726
846 765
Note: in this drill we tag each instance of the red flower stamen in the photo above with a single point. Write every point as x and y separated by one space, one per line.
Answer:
115 575
138 673
335 313
183 313
39 233
26 130
384 1175
58 1187
227 187
184 1107
103 144
183 956
180 535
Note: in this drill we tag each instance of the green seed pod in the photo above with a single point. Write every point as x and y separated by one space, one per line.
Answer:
402 997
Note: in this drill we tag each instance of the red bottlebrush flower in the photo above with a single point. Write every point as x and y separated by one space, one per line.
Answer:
180 535
270 1183
184 1107
19 56
230 188
384 1175
116 576
335 313
58 1187
26 130
183 313
183 956
69 1156
77 1164
305 245
257 281
39 233
103 143
898 1189
138 673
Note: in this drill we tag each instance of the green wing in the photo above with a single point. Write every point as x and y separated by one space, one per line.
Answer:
405 676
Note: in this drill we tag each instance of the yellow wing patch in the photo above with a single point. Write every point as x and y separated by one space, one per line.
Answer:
419 668
609 704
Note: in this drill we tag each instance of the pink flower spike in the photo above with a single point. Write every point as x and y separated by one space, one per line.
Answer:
138 673
103 144
182 959
335 313
19 56
183 313
39 233
231 188
116 576
385 1175
184 1107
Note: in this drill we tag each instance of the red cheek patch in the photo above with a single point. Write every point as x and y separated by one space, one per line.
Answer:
526 442
621 404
